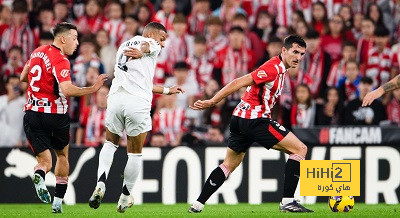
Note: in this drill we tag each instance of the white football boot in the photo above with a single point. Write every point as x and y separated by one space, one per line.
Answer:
41 189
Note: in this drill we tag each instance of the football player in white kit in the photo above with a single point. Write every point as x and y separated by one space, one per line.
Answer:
128 108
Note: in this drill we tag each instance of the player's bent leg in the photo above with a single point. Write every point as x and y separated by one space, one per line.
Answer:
61 172
132 169
217 178
106 158
43 166
297 151
290 144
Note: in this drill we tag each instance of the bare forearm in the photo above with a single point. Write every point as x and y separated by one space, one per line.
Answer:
392 84
24 74
227 90
158 89
76 91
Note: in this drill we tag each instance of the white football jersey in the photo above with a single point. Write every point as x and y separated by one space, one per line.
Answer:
136 75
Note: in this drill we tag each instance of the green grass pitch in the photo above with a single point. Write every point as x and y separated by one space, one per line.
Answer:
180 210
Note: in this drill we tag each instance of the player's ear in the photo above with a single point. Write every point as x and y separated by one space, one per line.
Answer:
62 38
284 50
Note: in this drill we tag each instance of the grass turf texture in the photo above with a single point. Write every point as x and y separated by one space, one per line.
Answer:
180 210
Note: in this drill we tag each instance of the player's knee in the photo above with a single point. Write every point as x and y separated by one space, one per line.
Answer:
231 165
302 150
113 140
48 165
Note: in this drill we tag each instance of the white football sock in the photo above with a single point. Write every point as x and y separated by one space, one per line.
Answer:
132 169
106 157
286 200
57 200
198 206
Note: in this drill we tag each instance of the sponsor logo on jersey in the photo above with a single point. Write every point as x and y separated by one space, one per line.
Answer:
64 73
261 74
39 102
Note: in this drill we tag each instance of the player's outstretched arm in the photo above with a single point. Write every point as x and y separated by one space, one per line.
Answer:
167 91
71 90
232 87
24 74
385 88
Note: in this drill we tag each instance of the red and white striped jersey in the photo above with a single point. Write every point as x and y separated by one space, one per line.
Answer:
115 29
379 65
203 68
92 119
21 36
170 122
48 67
215 45
8 69
338 70
332 6
283 10
261 97
164 19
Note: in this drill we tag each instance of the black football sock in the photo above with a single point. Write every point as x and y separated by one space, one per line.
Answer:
60 190
292 175
61 186
214 181
125 191
41 173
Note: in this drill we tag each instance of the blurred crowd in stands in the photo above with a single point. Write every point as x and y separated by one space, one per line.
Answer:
352 48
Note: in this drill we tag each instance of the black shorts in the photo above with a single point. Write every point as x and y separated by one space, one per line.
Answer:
45 131
244 132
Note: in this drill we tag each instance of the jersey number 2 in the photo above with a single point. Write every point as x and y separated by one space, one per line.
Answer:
35 69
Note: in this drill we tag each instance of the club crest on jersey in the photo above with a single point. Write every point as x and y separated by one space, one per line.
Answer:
64 73
261 74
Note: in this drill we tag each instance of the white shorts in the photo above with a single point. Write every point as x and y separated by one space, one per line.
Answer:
127 111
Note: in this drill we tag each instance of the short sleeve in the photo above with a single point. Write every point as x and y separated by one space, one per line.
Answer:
265 73
62 71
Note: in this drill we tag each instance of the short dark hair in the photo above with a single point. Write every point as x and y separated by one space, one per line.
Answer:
180 18
15 47
240 16
19 6
213 20
158 134
294 39
366 80
89 38
275 39
46 35
63 2
369 19
236 28
181 65
200 39
353 62
133 17
46 7
381 31
12 76
312 34
63 27
349 44
156 26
